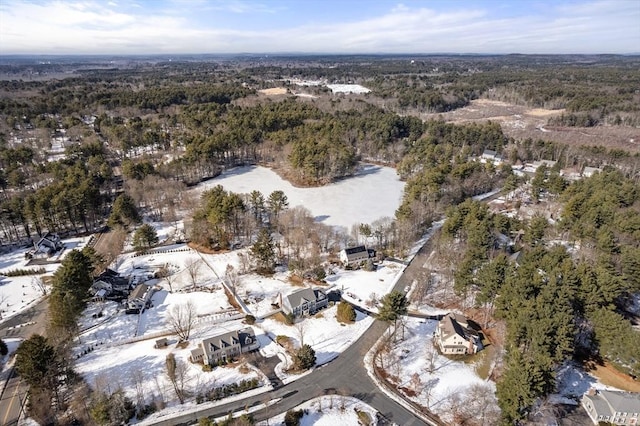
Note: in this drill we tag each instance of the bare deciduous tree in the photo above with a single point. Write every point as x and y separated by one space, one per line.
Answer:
193 270
301 328
431 354
177 375
232 278
245 263
166 274
182 318
416 383
38 285
137 377
3 299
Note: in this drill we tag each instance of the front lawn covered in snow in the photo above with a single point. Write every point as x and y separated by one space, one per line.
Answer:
448 387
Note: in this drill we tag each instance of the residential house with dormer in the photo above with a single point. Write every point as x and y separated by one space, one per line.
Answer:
612 407
225 347
454 336
306 301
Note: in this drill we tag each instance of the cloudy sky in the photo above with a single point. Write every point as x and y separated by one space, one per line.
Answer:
319 26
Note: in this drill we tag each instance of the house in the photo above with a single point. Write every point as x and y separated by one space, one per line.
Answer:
110 283
533 166
590 171
46 246
490 156
224 347
616 407
139 298
355 255
305 301
454 336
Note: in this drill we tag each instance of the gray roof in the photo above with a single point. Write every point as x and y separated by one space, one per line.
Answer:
607 402
298 297
139 292
622 401
227 339
221 341
453 323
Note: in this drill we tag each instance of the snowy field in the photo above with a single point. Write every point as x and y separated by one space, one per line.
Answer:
433 380
372 193
364 288
122 365
348 88
329 411
323 333
19 293
113 344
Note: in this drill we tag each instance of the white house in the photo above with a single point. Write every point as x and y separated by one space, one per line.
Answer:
225 347
491 156
616 407
590 171
355 255
306 301
139 297
454 336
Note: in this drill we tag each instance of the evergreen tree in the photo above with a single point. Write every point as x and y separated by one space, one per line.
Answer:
277 202
70 286
124 212
144 238
263 251
36 363
345 312
394 305
304 358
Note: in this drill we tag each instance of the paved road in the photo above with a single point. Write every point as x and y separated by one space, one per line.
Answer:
345 375
23 325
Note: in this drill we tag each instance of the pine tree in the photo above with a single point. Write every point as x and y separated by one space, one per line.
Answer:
304 358
36 362
71 283
144 238
263 251
345 313
394 305
124 212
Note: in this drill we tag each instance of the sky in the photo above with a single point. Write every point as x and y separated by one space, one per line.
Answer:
318 26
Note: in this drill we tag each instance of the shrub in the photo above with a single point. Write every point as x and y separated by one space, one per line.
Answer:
346 313
292 418
207 368
304 358
250 319
24 272
289 319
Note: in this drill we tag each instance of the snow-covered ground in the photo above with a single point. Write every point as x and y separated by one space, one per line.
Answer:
348 88
323 333
364 288
372 193
329 411
114 345
19 293
428 378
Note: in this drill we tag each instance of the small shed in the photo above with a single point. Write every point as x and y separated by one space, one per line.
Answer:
161 343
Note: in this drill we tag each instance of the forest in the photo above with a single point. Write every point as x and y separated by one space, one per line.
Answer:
106 144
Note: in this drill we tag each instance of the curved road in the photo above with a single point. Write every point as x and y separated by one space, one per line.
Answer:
344 375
